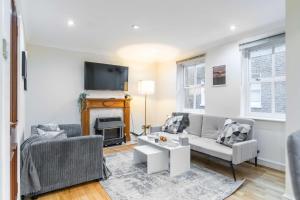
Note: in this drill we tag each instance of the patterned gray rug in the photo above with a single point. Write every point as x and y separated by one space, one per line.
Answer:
131 182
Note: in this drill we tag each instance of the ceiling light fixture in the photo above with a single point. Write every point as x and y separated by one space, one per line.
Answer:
71 23
232 27
135 27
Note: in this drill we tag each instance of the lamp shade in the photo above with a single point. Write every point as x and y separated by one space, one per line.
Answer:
146 87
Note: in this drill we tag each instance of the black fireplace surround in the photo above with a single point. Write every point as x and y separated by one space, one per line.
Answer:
111 128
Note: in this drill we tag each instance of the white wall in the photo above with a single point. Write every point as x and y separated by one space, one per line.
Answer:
293 71
166 91
21 97
56 77
5 104
224 101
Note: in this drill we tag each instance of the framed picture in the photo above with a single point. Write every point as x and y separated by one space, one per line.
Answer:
219 75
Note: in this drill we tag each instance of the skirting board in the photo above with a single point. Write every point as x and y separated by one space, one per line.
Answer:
271 164
287 196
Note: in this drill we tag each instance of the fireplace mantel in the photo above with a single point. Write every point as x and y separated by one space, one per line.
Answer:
93 103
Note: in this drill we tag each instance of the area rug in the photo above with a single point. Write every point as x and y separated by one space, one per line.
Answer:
131 182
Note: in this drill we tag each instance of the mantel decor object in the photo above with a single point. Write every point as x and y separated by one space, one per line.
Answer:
81 101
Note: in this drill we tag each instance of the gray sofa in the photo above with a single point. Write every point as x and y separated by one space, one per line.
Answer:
203 131
293 149
66 162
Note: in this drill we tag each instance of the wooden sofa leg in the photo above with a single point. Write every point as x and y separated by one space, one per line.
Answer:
255 161
233 172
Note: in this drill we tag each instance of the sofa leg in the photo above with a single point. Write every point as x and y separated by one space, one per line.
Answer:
233 172
255 161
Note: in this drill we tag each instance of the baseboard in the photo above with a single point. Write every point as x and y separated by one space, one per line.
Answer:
287 196
271 164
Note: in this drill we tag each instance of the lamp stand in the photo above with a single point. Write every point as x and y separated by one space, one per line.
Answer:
145 127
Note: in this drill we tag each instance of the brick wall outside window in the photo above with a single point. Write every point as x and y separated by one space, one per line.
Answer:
266 81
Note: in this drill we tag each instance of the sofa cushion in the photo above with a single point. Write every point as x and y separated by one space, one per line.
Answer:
210 147
195 126
211 126
72 130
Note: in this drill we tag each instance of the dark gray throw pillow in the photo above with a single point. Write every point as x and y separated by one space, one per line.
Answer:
185 122
233 132
172 124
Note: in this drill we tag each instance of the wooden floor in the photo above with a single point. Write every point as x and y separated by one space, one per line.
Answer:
261 182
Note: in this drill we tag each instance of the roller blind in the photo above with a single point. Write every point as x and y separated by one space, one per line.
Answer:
264 41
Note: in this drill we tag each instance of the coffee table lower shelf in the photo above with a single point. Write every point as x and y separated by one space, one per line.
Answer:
159 158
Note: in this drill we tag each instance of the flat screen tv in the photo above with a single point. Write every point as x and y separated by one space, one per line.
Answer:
100 76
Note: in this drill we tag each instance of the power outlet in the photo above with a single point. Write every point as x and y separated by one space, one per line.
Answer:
4 49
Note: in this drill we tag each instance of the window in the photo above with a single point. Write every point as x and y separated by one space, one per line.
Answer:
194 79
265 84
191 81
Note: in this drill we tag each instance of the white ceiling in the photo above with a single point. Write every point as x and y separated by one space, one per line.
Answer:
104 27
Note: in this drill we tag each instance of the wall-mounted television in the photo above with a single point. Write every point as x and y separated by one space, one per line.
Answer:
100 76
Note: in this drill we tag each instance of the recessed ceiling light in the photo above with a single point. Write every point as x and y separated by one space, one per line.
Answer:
71 23
135 27
232 27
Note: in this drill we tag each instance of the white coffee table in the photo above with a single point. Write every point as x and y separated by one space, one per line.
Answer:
169 156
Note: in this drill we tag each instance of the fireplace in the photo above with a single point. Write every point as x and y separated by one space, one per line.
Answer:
111 128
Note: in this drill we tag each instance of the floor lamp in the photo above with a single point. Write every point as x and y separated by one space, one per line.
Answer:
146 88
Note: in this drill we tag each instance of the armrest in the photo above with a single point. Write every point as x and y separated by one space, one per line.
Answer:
155 129
69 146
98 139
244 151
81 156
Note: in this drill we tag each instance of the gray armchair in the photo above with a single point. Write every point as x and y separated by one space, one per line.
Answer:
66 162
293 148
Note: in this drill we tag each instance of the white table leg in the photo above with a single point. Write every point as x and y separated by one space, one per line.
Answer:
157 162
179 161
139 157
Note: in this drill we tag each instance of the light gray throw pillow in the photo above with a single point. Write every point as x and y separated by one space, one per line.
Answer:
52 134
49 127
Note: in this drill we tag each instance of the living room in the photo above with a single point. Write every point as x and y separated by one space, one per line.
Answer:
171 83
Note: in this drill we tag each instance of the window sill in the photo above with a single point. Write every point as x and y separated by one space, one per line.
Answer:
265 119
194 111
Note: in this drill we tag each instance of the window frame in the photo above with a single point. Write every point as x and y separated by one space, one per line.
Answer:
273 79
194 86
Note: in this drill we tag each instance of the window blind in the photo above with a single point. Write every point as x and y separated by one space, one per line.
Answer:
192 61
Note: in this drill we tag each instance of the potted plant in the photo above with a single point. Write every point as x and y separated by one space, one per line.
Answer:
81 101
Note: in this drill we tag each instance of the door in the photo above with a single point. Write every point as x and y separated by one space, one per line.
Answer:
13 102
